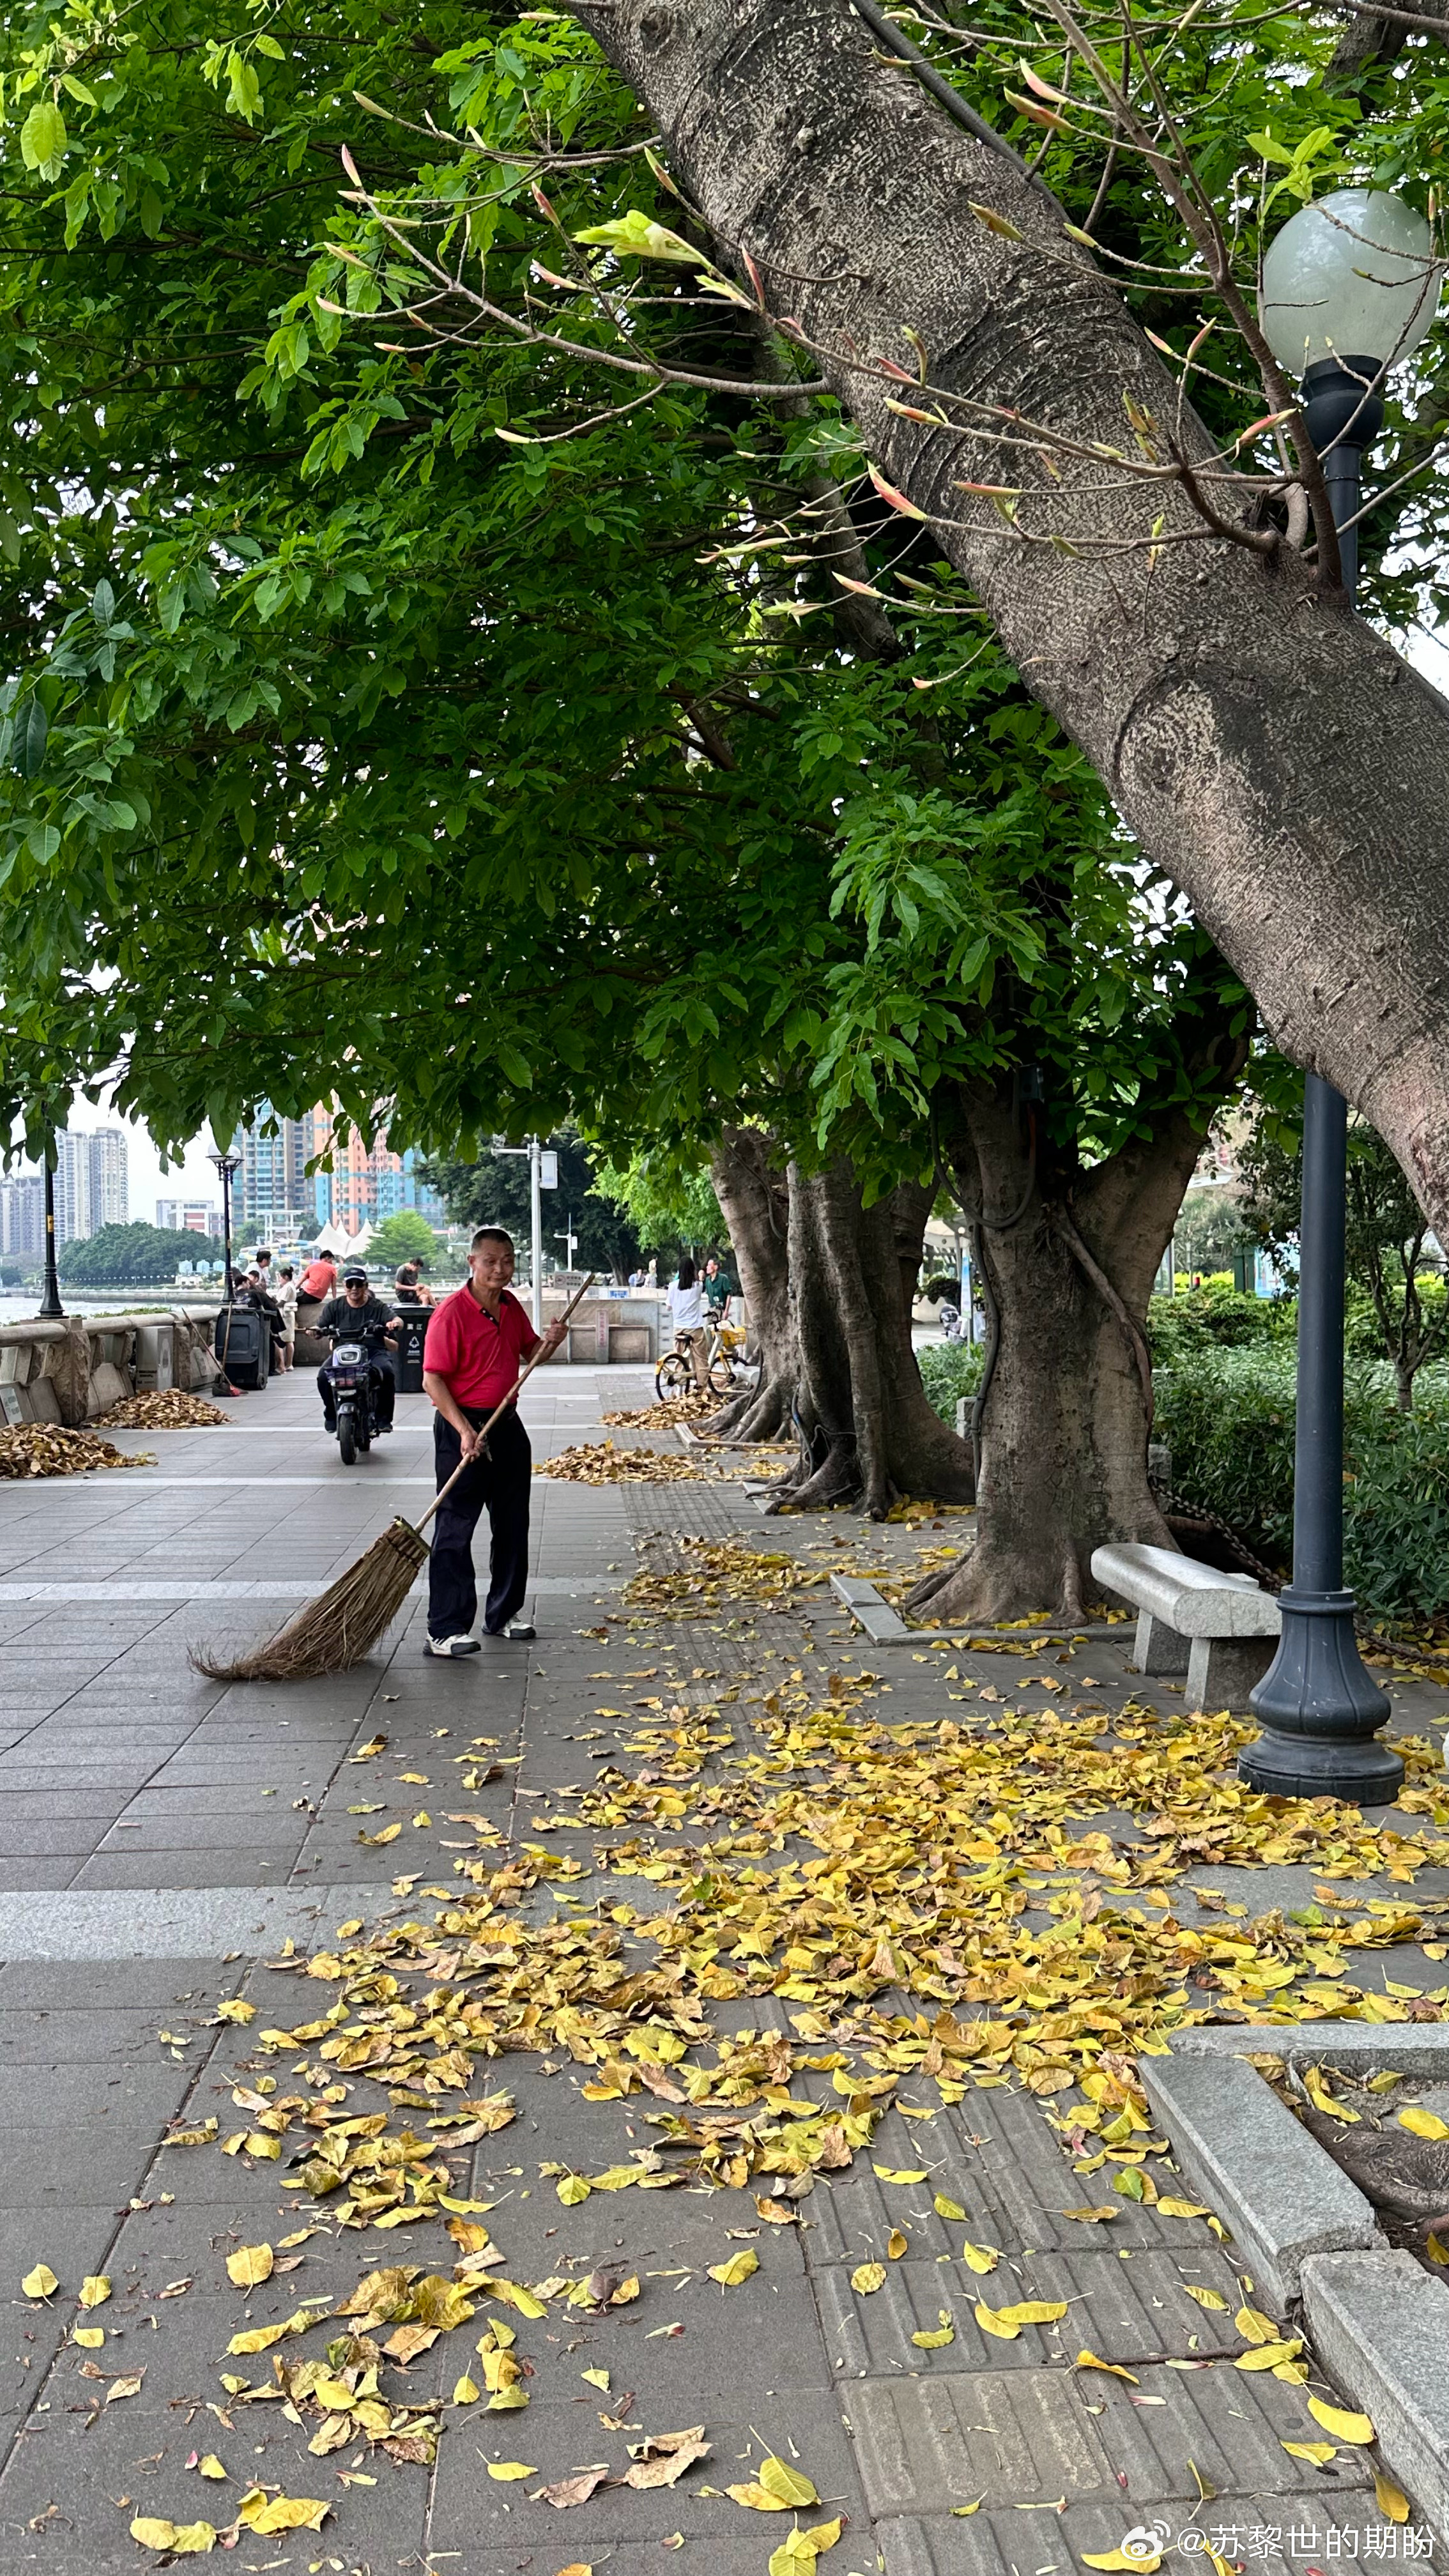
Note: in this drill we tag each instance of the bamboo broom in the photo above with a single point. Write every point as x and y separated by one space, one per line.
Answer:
344 1624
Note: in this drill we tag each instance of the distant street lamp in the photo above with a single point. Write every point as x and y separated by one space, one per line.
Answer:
225 1164
51 1309
1350 287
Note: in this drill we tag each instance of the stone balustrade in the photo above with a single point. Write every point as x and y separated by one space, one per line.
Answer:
71 1370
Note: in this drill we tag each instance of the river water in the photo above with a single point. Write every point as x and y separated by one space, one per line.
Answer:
20 1308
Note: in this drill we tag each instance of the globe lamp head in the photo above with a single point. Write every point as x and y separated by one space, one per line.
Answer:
1350 277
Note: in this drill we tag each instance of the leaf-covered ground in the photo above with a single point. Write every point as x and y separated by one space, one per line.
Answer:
778 1912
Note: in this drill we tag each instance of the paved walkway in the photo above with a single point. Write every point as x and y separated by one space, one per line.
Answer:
163 1839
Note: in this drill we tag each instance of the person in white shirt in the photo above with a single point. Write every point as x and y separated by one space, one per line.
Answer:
686 1307
285 1293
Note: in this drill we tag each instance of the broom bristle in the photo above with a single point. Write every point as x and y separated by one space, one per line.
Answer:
338 1629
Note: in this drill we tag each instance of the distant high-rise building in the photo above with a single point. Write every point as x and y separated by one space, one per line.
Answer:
110 1178
189 1216
72 1189
91 1185
361 1185
22 1215
271 1193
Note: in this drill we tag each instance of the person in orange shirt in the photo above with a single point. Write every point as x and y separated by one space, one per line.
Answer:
477 1341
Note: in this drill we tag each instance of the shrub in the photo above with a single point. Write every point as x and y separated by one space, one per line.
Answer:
1215 1317
950 1370
1229 1420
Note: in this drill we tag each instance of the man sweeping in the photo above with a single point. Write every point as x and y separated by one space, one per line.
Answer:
477 1341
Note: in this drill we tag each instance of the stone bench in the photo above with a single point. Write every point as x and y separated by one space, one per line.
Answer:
1220 1629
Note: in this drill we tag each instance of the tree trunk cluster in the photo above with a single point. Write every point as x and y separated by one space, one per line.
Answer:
1066 1255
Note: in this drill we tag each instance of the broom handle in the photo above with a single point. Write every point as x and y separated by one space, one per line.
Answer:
526 1371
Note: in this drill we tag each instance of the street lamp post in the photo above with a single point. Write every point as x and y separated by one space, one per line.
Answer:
225 1165
51 1309
1349 287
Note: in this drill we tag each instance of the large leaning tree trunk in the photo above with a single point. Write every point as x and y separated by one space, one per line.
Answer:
1274 756
1067 1258
754 1196
866 1428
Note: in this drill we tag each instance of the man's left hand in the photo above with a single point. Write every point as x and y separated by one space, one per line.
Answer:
554 1335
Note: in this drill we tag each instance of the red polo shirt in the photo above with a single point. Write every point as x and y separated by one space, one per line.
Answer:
479 1359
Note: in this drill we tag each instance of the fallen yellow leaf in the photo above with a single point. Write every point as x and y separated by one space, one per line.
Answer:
183 2539
992 2324
740 2267
897 2244
981 2258
1391 2500
1269 2356
867 2277
1093 2361
1170 2207
1033 2312
1117 2558
249 2265
791 2485
945 2208
266 2514
95 2289
1204 2298
943 2334
39 2283
910 2173
210 2466
1342 2422
92 2337
1424 2124
1254 2326
507 2471
1320 2453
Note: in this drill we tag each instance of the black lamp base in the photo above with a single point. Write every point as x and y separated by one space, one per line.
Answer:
1321 1711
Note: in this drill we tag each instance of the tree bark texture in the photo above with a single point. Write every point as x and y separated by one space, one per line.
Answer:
754 1195
1276 757
866 1427
1068 1258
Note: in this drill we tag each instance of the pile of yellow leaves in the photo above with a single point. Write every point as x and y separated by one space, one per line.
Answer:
47 1449
664 1413
162 1409
598 1462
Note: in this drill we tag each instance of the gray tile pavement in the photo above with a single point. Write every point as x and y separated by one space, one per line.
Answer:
158 1835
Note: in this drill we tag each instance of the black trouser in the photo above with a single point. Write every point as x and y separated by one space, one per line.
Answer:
501 1484
384 1390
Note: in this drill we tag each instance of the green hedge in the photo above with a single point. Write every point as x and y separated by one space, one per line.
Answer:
950 1370
1216 1318
1228 1418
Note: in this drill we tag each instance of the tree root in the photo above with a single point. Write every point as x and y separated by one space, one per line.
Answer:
990 1585
836 1480
756 1413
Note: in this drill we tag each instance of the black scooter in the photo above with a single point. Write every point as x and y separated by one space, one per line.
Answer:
349 1376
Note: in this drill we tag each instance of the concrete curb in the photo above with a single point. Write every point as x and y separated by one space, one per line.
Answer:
885 1628
1380 2327
1271 2182
1414 2048
1378 2321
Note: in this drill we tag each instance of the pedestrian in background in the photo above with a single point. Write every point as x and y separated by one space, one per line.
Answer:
686 1307
286 1297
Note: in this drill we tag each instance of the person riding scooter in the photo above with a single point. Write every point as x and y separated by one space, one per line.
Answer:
358 1316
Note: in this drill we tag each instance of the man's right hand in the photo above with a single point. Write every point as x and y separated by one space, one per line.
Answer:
468 1440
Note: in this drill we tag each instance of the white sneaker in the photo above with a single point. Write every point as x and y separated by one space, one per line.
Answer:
453 1646
520 1628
